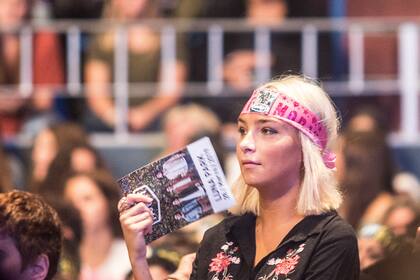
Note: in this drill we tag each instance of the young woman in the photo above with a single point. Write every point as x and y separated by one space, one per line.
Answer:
103 253
285 225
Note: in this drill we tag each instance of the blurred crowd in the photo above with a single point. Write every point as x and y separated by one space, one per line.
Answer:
53 97
381 201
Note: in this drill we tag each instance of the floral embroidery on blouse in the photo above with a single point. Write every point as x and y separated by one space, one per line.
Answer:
284 266
221 262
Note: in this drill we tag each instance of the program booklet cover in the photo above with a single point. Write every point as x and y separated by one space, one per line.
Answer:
186 186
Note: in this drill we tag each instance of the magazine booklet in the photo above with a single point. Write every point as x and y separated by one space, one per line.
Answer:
186 186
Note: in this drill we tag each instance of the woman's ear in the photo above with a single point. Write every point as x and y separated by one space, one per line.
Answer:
38 270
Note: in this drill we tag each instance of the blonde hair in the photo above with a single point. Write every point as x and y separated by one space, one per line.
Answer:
200 117
318 189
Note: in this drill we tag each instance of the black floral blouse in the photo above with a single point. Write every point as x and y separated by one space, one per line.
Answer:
319 247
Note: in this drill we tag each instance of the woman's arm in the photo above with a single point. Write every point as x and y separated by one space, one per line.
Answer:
136 220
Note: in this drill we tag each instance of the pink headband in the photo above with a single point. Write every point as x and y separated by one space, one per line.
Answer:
269 101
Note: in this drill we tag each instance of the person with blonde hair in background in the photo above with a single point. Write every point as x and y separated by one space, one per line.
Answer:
184 122
285 224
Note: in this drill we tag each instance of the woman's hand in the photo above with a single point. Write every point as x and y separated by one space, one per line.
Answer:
136 221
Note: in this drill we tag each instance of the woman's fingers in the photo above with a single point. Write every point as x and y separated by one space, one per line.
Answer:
141 225
131 199
134 213
138 218
135 210
136 197
123 204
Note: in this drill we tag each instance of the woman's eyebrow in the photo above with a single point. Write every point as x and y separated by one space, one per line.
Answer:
265 121
241 120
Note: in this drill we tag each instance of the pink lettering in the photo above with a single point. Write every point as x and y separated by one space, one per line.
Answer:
292 115
281 110
302 121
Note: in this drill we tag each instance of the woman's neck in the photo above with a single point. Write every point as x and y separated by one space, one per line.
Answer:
279 205
277 216
95 246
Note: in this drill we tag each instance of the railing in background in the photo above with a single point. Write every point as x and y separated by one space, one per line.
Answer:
405 82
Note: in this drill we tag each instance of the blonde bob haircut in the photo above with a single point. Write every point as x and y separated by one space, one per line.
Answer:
318 188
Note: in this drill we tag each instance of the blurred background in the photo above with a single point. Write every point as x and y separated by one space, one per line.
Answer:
116 67
114 84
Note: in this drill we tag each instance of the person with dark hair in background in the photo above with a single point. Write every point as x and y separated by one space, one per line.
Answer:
365 169
46 144
368 118
81 157
103 253
30 237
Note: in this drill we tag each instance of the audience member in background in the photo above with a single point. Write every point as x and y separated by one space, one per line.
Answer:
407 185
80 157
197 40
403 218
184 269
374 240
364 171
144 44
367 118
400 260
103 253
163 262
183 123
30 237
241 60
46 146
46 74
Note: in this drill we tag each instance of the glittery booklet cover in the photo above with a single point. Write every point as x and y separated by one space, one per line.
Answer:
185 186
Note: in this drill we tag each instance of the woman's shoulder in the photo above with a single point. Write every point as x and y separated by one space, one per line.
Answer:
329 225
336 228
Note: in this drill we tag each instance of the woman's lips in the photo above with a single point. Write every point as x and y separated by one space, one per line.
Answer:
249 163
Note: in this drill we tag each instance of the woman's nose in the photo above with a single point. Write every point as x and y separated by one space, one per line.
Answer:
247 143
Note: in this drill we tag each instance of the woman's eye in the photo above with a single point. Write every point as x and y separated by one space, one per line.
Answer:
268 131
241 130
